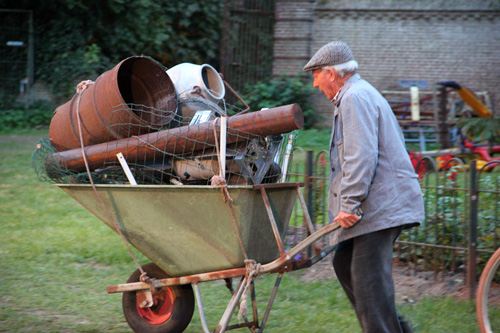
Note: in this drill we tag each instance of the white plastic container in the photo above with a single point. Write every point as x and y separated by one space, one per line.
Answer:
197 80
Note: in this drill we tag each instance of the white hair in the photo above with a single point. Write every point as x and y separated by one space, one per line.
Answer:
342 70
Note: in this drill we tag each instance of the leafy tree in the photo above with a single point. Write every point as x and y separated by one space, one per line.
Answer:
77 40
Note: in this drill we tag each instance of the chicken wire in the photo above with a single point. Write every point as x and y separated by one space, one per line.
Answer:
179 159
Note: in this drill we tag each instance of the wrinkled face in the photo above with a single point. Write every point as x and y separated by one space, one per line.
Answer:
325 82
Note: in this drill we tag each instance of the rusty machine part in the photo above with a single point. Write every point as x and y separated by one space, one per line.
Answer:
179 140
137 80
248 163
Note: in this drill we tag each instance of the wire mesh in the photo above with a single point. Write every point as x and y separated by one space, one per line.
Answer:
169 147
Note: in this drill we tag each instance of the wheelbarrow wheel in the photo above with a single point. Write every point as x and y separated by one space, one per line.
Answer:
172 310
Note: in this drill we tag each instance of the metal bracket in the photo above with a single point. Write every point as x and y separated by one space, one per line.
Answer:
144 298
255 160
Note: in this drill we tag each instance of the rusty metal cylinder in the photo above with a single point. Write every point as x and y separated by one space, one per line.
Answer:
278 120
133 98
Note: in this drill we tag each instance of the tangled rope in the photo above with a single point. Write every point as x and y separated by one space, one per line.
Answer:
219 181
253 270
83 85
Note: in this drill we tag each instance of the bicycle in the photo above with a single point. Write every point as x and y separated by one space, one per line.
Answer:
484 293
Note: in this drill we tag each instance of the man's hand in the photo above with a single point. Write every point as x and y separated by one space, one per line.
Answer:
346 220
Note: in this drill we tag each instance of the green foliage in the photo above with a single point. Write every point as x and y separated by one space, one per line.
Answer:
37 115
7 100
447 205
483 129
283 90
79 40
316 139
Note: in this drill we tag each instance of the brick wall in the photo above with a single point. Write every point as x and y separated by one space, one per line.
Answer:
435 41
292 35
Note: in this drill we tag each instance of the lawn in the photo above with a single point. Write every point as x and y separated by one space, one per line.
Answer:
57 260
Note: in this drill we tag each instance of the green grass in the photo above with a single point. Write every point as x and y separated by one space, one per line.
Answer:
314 139
57 260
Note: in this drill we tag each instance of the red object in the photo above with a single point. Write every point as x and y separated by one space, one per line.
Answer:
453 175
443 161
162 309
322 160
482 150
417 164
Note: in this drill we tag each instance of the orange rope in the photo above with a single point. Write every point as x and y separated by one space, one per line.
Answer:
218 180
80 88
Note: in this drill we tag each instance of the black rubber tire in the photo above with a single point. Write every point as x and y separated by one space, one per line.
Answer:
179 313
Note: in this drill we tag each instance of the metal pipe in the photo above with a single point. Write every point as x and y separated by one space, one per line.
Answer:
31 55
247 108
307 217
272 221
286 160
226 317
271 301
200 308
471 265
254 306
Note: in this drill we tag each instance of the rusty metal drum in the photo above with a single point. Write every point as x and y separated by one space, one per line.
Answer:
135 97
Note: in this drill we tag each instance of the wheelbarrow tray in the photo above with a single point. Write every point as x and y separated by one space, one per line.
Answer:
189 230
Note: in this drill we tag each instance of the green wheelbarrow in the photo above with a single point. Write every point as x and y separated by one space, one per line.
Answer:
192 235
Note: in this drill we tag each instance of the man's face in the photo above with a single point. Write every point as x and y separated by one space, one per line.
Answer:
325 82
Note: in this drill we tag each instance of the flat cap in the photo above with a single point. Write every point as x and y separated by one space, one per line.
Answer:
331 54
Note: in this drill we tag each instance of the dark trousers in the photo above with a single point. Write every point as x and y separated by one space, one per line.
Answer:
363 266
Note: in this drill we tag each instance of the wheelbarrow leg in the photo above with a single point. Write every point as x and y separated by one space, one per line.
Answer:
229 285
200 308
254 307
226 317
271 301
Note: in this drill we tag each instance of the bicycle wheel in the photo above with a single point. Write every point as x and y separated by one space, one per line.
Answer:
488 296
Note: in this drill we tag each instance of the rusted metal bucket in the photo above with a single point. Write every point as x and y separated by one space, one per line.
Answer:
188 229
105 110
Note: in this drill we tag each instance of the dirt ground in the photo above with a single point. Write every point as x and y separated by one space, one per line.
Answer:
410 287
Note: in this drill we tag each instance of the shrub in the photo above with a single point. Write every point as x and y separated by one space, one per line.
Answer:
37 115
283 90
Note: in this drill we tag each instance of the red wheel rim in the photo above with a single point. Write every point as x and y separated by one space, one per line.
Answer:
162 309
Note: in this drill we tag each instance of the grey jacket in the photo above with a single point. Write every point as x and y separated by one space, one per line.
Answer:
371 172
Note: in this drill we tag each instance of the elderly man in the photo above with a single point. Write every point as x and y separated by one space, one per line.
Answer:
374 192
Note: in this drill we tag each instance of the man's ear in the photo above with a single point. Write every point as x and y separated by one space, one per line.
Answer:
331 74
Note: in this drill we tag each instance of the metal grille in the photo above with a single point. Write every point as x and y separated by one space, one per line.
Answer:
16 54
462 203
247 47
